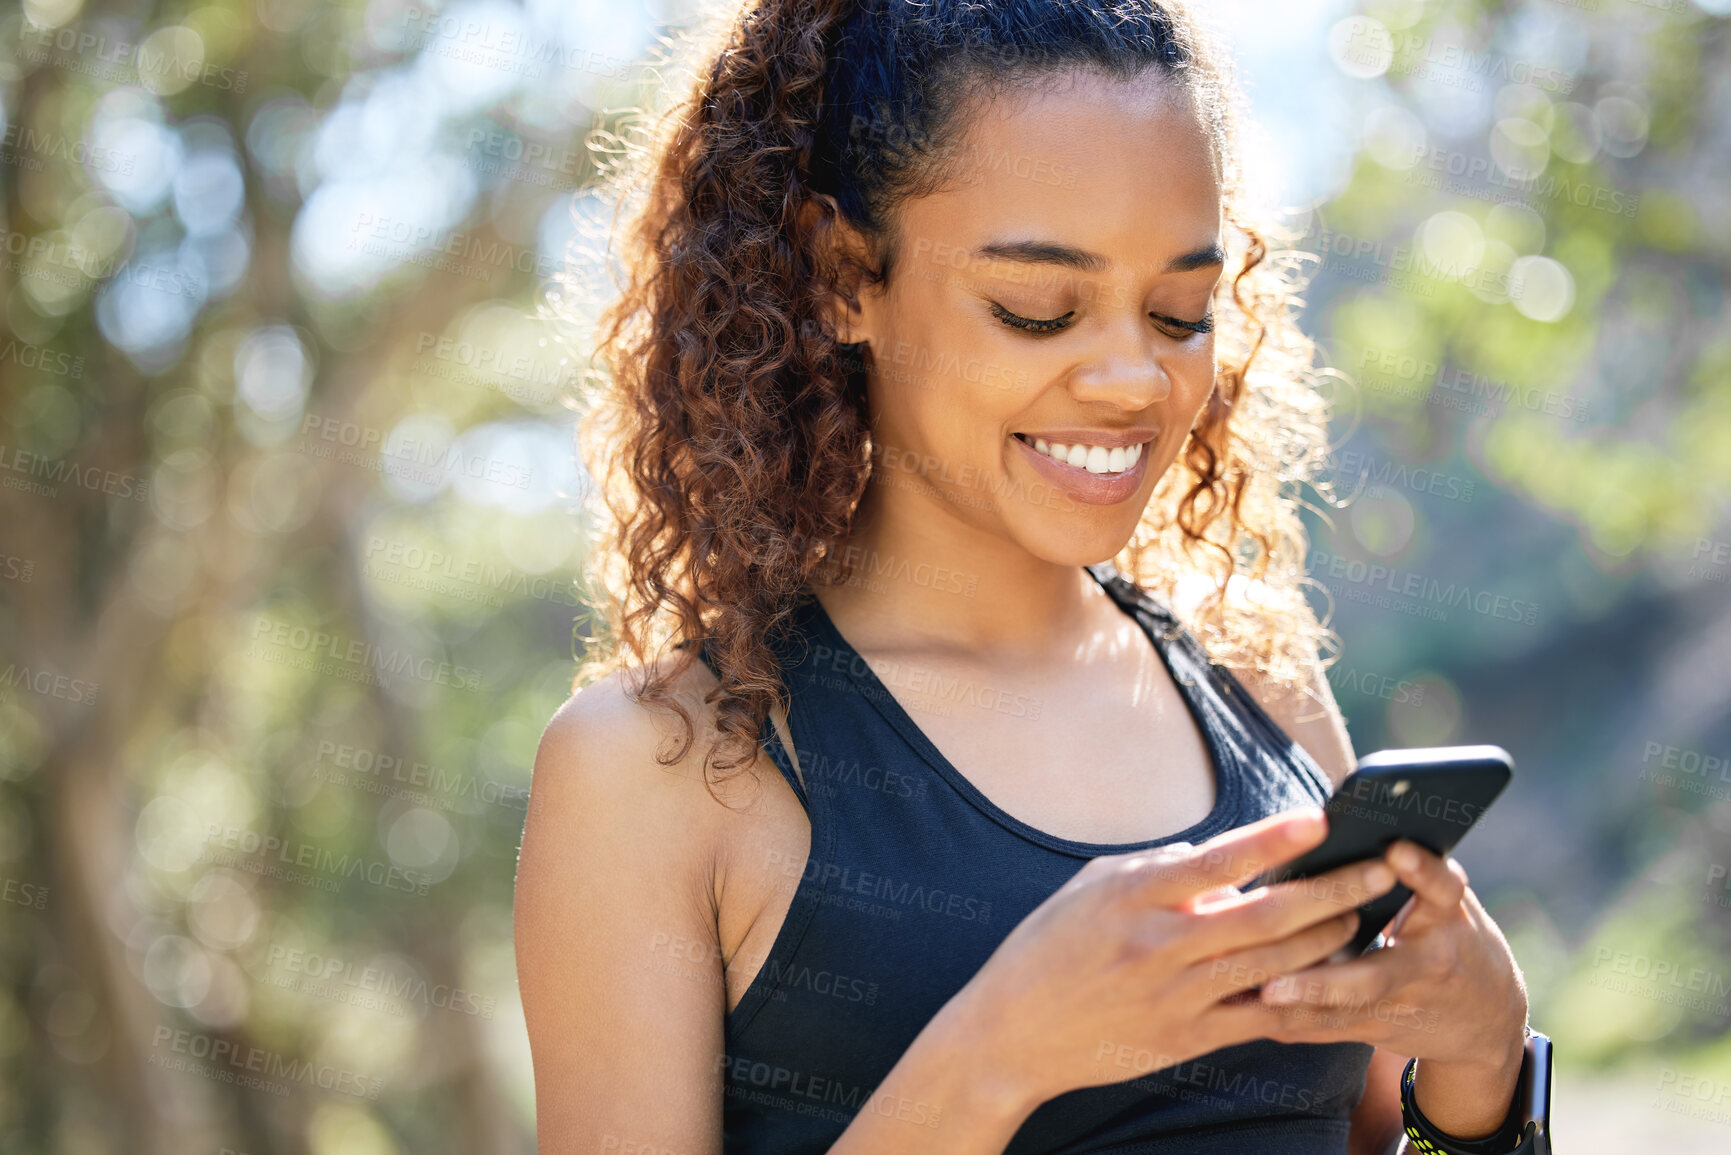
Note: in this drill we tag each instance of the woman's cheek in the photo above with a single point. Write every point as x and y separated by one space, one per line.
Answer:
1195 377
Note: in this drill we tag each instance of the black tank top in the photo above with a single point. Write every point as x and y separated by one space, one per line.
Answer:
914 877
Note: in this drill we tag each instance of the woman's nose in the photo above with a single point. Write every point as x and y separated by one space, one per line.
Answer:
1128 380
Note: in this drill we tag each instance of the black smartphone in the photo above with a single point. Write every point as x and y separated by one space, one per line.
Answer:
1431 795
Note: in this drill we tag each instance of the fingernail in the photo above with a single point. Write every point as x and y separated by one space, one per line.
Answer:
1379 878
1405 858
1281 990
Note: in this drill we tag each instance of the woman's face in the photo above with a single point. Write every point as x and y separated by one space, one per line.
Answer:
1057 290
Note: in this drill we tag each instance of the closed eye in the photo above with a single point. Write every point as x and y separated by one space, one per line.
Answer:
1032 324
1205 325
1059 323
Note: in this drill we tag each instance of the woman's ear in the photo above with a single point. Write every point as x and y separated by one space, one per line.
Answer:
840 252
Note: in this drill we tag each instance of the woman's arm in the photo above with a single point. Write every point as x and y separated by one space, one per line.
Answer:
617 953
1376 1121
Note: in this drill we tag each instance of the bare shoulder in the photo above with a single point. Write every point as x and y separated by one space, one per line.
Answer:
618 958
603 732
1308 714
604 809
602 754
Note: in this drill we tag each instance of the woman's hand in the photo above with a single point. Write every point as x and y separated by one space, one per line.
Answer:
1147 959
1446 990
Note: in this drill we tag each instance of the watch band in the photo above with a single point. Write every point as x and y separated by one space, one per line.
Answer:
1524 1131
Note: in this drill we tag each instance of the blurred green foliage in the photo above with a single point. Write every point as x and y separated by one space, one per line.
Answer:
1530 299
289 522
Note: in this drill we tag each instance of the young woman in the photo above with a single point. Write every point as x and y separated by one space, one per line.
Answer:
900 810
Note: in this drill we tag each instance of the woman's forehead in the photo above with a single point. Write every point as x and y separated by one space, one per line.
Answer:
1116 169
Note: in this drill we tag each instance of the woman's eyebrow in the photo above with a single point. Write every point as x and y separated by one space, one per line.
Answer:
1045 253
1206 257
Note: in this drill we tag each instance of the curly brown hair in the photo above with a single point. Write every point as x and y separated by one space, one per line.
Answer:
726 428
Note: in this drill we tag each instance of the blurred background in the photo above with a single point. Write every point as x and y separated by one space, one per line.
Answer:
289 519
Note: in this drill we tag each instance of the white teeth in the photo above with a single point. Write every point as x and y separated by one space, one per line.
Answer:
1093 458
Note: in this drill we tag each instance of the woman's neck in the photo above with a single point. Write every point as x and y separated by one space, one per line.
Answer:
926 579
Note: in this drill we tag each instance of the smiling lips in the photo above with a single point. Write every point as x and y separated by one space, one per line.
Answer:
1098 453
